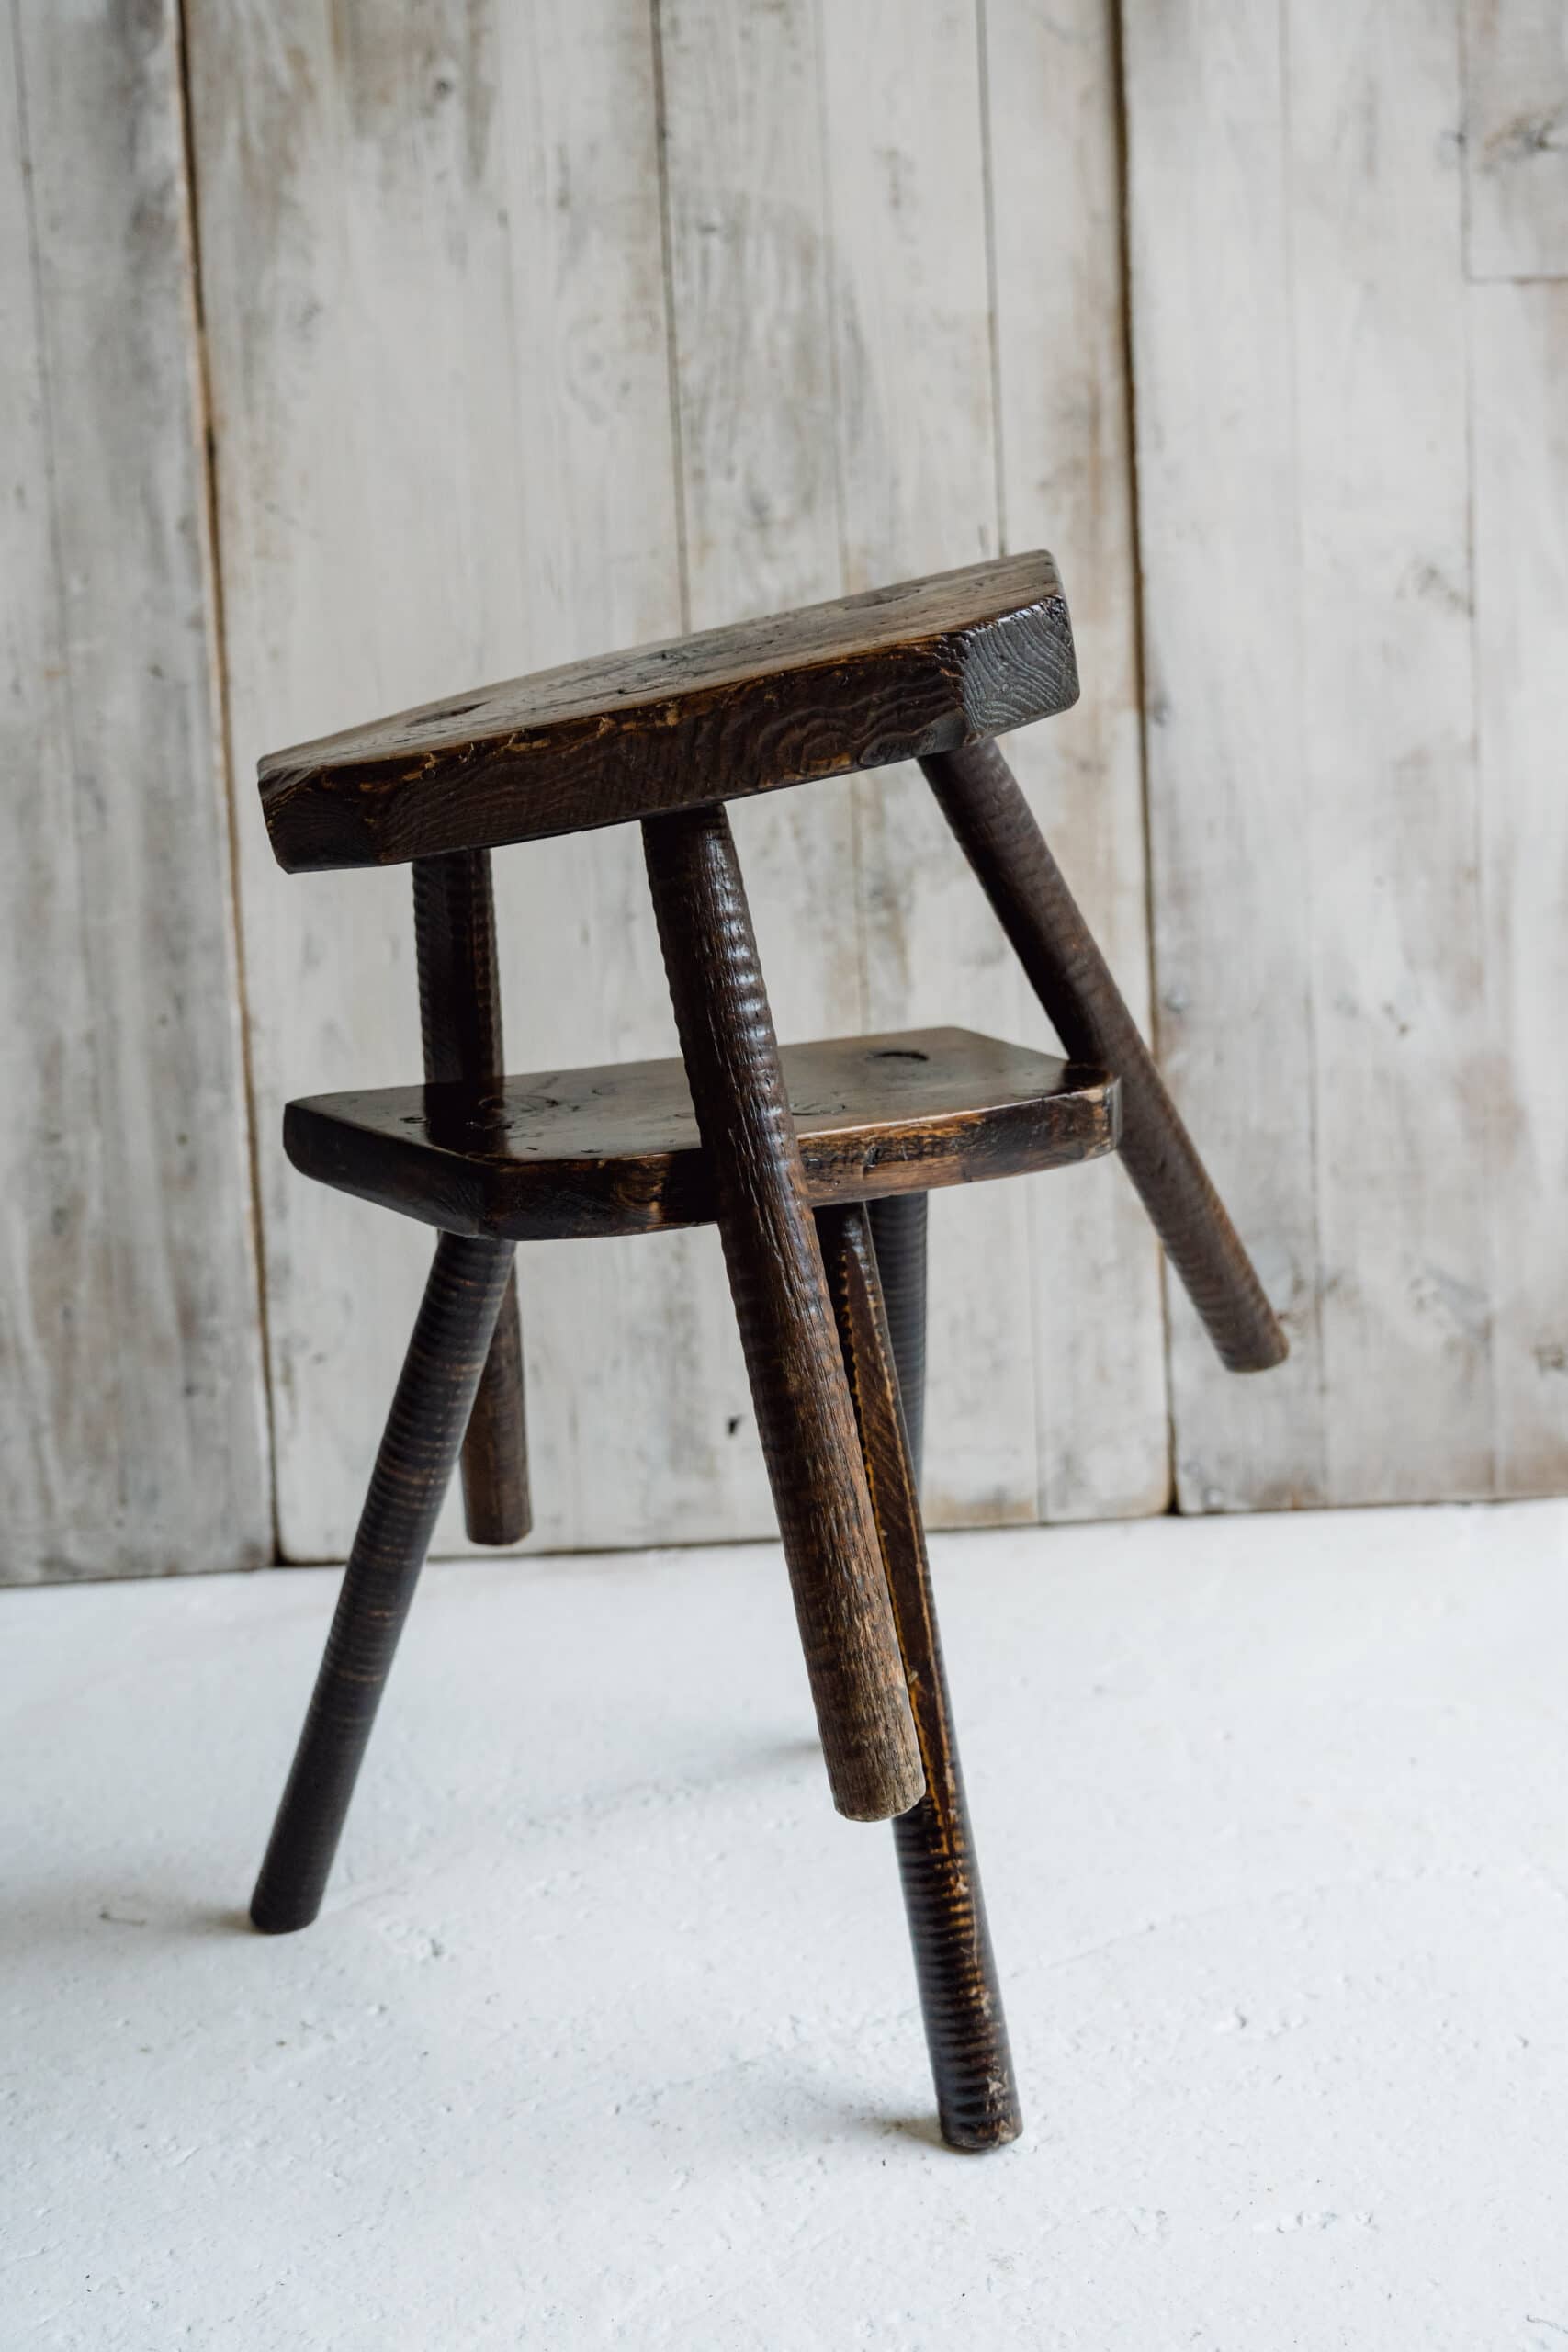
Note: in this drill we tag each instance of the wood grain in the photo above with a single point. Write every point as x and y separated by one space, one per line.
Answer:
413 1467
1388 751
745 180
1050 88
853 684
574 1154
1516 137
988 814
1209 256
1520 353
899 1234
904 110
960 1998
461 1033
135 1440
435 302
785 1319
1313 806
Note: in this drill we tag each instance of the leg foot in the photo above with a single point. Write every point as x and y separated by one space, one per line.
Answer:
413 1468
960 1995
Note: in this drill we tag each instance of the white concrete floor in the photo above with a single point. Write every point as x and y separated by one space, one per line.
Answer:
607 2035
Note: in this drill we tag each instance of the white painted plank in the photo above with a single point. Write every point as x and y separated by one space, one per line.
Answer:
1515 126
1209 224
1051 82
755 394
918 491
435 295
1519 341
1301 392
1388 754
134 1438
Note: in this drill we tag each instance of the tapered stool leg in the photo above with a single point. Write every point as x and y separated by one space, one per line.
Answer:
413 1468
898 1238
980 797
960 1996
803 1407
459 1015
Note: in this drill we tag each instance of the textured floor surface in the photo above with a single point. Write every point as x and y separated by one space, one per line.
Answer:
607 2035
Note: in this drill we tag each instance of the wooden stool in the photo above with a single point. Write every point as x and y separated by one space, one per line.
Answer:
814 1163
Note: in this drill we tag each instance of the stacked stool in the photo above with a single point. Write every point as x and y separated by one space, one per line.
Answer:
814 1162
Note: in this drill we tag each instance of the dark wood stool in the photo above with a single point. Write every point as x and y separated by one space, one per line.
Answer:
814 1163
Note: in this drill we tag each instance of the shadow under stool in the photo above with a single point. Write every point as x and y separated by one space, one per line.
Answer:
814 1162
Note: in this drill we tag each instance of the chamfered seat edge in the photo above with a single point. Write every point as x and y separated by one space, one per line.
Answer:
899 672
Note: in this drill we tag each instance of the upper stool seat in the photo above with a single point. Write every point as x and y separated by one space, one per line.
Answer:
900 673
569 1154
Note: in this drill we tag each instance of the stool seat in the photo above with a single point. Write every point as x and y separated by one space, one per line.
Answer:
564 1154
922 667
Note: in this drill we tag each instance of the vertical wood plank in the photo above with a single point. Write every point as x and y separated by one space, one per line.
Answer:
1515 137
1388 768
134 1441
1519 343
1066 465
1210 241
749 264
1303 455
918 489
750 327
436 296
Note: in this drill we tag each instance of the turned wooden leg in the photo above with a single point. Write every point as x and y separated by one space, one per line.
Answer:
899 1237
960 1997
460 1008
803 1407
413 1468
982 802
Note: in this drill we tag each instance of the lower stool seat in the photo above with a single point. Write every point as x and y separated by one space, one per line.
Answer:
568 1154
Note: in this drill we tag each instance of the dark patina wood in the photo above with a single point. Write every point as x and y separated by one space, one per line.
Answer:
459 1012
898 1236
922 666
981 799
563 1154
424 1428
804 1415
960 1993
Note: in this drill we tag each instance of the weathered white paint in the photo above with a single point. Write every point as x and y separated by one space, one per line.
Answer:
1517 136
508 370
1304 482
437 331
1051 94
133 1439
1519 352
1209 228
753 377
606 2040
918 490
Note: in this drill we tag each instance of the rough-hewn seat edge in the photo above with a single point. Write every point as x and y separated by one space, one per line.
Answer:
763 732
588 1198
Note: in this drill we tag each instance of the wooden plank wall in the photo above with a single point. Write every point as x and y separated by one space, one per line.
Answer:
1354 611
132 1433
535 327
537 331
